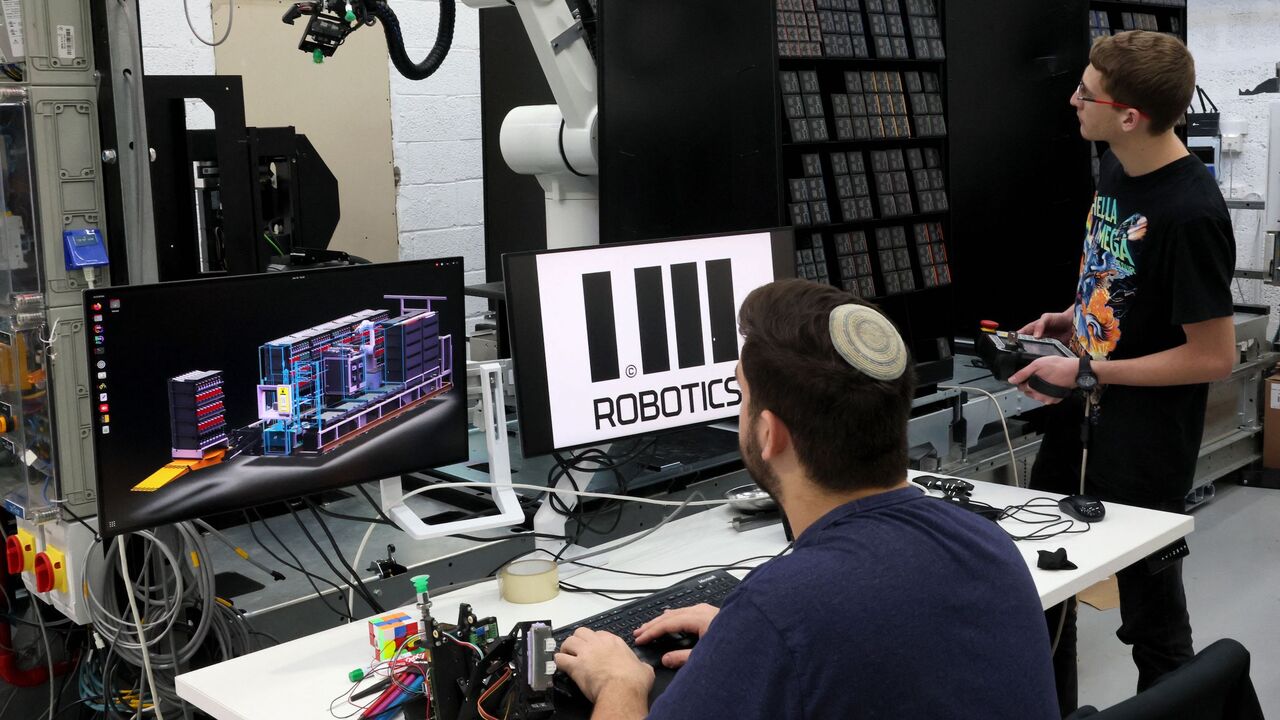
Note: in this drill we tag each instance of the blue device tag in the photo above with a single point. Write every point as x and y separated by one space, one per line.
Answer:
84 247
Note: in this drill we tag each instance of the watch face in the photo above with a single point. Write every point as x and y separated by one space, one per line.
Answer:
1087 382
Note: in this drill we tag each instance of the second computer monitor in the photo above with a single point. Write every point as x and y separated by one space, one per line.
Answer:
627 339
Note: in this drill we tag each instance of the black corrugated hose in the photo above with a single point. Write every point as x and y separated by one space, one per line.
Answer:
395 40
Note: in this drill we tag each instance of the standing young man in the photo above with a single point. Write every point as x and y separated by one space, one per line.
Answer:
891 605
1152 324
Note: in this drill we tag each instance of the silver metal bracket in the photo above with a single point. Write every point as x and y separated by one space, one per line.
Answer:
571 34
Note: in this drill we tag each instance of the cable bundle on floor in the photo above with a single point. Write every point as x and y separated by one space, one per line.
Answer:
156 613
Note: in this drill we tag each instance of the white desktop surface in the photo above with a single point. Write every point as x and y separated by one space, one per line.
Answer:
298 679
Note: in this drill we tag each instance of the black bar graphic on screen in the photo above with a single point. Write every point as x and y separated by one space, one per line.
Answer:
602 336
652 315
724 326
688 311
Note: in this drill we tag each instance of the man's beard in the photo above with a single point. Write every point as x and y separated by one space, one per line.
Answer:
757 468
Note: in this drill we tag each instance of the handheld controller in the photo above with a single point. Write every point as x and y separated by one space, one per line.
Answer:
1005 353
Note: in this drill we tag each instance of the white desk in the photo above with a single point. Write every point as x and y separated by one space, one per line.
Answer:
299 678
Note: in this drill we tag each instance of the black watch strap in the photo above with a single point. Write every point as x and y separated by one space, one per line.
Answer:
1086 371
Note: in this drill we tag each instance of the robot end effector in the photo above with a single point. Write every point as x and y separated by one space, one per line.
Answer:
333 20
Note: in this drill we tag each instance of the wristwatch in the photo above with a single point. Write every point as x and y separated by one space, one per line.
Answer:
1085 379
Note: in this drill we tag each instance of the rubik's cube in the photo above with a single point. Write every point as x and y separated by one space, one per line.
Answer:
387 633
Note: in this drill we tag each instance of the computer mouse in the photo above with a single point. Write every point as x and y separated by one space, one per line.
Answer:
1084 508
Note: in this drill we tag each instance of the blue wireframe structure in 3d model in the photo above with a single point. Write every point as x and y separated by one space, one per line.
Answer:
327 384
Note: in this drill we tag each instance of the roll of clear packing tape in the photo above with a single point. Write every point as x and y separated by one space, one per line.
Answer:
529 581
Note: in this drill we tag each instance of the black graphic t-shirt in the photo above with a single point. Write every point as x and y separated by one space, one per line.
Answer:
1158 254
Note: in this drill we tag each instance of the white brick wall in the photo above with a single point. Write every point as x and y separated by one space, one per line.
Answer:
436 127
436 122
169 48
1235 49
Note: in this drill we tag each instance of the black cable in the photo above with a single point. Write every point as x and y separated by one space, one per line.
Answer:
64 710
514 536
298 566
341 614
376 507
513 557
322 554
577 513
62 506
266 635
395 40
604 592
373 603
1049 522
353 518
735 566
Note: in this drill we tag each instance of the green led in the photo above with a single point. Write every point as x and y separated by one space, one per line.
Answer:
349 17
420 582
317 56
356 675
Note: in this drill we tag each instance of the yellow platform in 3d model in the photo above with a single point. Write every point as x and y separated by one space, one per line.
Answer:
178 468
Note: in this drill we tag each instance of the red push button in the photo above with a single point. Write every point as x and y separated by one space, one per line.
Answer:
989 325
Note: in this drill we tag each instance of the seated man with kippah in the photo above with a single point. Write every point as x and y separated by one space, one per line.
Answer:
891 605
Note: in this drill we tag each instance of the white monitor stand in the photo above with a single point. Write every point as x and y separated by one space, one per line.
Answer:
495 428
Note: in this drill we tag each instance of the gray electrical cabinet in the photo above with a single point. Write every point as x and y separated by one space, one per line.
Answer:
51 191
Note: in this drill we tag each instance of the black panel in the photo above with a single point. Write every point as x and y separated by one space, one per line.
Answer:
720 307
176 250
602 332
688 120
1020 179
514 214
113 193
651 308
525 312
688 312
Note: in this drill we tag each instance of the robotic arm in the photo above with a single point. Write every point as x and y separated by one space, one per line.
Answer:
554 143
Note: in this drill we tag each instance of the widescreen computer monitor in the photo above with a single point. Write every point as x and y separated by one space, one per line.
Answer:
222 394
632 338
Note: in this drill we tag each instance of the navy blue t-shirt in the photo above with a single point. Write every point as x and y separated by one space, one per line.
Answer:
894 606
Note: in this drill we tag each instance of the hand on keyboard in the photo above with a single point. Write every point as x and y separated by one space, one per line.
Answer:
596 659
675 630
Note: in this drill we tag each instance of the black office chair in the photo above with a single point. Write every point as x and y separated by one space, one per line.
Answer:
1215 685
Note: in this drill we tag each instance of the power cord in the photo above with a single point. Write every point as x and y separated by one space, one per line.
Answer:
48 656
137 621
231 16
1013 458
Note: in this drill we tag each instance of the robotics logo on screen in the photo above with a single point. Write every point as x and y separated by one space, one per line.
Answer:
641 338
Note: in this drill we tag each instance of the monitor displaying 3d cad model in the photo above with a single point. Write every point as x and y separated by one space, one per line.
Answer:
628 339
219 395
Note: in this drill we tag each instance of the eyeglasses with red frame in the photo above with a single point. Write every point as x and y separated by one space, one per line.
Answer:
1085 98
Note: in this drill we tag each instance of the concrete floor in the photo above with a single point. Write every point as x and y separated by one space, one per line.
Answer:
1233 591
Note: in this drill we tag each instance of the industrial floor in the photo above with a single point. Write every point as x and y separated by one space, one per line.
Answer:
1233 590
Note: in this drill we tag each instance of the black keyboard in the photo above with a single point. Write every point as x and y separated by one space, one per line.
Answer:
710 588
